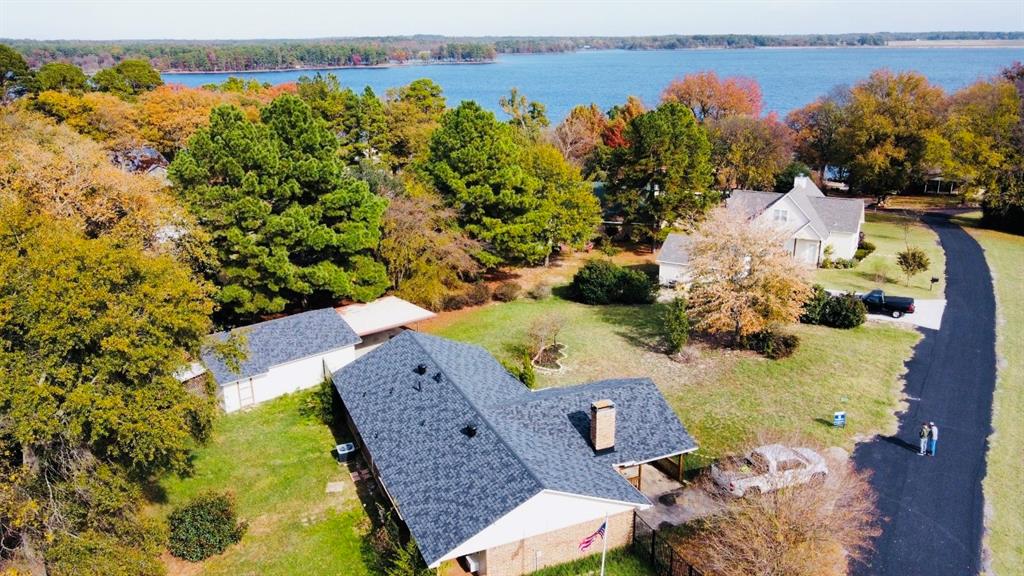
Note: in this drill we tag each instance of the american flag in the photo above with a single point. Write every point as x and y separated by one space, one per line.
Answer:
589 540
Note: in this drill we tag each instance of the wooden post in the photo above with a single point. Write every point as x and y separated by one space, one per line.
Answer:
682 467
640 477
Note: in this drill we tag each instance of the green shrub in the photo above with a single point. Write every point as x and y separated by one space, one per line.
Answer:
864 249
603 282
596 282
845 311
319 402
523 371
634 287
677 324
814 307
507 291
204 526
838 263
773 345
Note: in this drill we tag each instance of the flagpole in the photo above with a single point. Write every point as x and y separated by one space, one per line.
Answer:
604 542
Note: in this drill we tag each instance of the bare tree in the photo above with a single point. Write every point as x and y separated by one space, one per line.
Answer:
814 529
744 280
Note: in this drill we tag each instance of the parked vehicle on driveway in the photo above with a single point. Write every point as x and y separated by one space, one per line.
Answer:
878 302
768 468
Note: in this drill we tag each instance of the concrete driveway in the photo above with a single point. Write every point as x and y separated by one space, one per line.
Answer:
927 314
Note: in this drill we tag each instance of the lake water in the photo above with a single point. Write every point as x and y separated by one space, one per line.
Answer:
789 77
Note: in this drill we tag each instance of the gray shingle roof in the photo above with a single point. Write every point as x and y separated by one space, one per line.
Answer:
675 250
283 340
449 486
840 214
826 214
751 202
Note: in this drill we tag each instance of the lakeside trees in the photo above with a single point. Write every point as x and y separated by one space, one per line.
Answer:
515 197
287 222
662 176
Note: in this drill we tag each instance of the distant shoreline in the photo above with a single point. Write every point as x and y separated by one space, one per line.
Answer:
896 44
317 68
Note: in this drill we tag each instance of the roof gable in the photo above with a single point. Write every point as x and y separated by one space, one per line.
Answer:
282 340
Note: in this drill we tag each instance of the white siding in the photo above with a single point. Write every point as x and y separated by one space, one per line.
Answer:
546 512
285 378
843 245
669 273
795 218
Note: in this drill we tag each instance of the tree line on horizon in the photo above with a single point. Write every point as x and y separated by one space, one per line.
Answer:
252 55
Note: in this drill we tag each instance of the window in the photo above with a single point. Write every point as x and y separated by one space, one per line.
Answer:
780 215
786 465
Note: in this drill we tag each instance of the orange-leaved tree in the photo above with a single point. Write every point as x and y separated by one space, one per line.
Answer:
711 97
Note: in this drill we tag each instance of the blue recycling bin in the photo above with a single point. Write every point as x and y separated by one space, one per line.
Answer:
839 419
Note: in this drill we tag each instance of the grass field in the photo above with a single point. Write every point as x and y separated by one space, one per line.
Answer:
890 234
277 464
723 397
1005 256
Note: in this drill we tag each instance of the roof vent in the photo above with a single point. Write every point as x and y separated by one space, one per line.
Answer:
421 369
469 430
438 377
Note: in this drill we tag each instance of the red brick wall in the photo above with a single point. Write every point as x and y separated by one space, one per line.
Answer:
558 547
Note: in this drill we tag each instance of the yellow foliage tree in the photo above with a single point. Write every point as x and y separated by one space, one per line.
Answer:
744 280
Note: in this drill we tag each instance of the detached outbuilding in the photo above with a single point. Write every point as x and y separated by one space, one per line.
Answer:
296 352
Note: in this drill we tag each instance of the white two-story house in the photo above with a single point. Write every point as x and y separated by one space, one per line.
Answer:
812 221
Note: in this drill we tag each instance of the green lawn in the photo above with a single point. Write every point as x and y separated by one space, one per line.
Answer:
723 397
1005 256
277 463
891 234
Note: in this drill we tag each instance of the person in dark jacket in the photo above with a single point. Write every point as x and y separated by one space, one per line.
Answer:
924 434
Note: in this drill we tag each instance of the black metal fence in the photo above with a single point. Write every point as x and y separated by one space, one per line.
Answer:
658 552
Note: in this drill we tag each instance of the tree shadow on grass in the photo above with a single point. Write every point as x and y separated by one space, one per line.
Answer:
639 325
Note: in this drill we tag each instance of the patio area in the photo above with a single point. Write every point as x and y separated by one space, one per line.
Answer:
674 503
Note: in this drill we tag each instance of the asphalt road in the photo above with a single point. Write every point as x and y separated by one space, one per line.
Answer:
933 505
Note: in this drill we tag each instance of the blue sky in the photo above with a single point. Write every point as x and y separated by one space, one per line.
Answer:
212 19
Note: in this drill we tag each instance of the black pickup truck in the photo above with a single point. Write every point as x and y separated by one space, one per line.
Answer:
878 303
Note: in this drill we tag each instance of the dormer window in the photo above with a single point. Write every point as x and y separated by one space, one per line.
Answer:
780 215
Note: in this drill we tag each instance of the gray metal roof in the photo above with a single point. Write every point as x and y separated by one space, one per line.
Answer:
282 340
448 485
675 250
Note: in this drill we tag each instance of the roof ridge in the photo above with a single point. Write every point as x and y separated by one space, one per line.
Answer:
481 413
559 391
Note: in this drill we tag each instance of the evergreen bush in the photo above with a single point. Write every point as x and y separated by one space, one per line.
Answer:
845 311
204 526
603 282
677 324
814 307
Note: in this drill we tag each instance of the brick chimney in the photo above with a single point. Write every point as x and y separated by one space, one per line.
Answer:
602 425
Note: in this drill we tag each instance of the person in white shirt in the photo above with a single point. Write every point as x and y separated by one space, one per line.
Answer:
933 438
